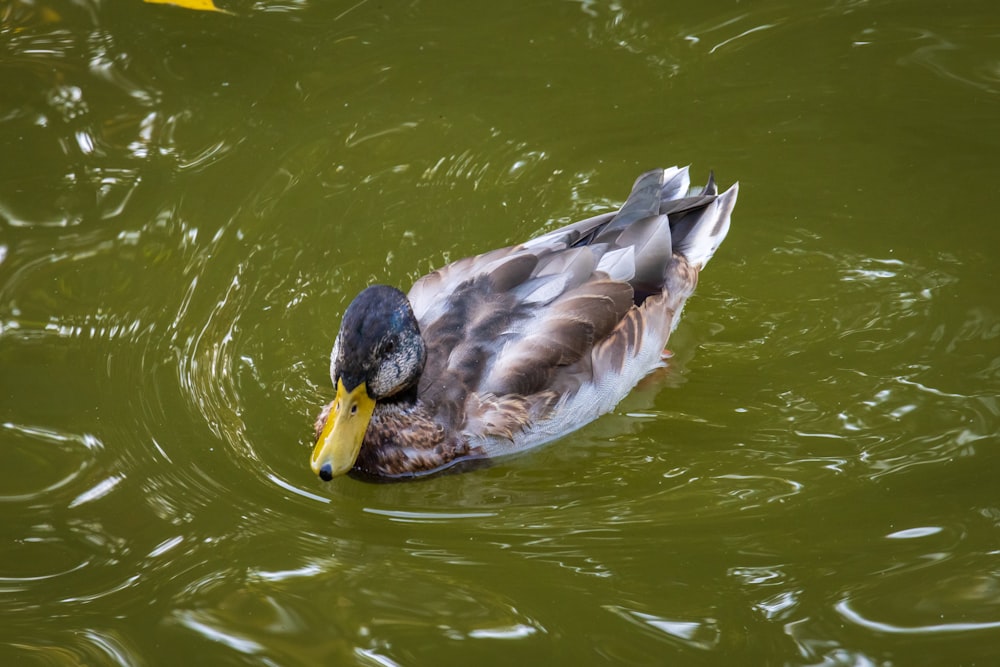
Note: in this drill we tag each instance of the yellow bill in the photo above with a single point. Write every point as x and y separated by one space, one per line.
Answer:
340 442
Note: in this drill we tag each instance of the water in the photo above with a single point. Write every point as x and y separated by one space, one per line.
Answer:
189 200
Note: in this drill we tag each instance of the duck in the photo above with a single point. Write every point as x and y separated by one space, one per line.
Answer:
507 350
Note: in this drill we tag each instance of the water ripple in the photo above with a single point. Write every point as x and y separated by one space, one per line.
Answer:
33 453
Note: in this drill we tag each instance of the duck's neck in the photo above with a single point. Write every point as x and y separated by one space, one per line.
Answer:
402 438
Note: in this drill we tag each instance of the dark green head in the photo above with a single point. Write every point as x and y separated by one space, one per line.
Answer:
379 344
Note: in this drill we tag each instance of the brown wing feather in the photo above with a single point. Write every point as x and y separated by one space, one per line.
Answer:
657 315
504 416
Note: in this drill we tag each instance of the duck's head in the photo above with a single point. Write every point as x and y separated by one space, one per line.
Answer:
378 353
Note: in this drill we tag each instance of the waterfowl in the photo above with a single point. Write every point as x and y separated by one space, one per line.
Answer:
507 350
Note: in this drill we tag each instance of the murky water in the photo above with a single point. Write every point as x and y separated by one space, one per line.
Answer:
189 200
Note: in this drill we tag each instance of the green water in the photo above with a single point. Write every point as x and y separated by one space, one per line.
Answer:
189 200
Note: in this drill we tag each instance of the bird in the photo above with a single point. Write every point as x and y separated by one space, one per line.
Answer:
504 351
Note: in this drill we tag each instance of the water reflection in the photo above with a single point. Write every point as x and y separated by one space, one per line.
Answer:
109 120
701 634
900 413
925 604
946 53
278 607
849 614
36 453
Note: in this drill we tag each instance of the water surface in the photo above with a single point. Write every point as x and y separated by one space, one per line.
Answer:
189 200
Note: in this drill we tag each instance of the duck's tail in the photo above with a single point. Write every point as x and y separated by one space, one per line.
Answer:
699 218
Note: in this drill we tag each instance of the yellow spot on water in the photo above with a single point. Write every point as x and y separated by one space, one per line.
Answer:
200 5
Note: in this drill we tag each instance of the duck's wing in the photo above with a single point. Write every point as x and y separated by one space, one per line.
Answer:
568 322
430 294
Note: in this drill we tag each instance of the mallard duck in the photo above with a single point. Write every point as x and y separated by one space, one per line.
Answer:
504 351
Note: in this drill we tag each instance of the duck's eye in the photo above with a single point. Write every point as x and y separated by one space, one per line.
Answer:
389 347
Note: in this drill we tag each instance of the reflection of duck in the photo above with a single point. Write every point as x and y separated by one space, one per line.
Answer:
500 352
